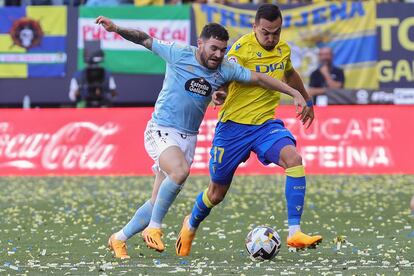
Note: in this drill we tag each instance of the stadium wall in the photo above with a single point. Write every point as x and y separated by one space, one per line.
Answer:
342 140
395 64
134 89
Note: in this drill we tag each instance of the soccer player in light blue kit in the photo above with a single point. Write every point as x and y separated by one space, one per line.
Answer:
192 74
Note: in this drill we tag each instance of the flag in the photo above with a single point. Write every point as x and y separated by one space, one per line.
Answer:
348 27
33 41
171 23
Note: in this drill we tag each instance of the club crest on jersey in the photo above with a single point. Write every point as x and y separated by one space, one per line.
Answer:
232 59
199 86
216 76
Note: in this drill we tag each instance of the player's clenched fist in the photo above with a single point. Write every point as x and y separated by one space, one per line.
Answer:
106 23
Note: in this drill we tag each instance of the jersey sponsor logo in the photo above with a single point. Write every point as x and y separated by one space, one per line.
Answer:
259 54
266 68
233 59
237 46
199 86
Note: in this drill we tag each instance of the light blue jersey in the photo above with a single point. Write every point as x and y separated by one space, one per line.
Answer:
187 87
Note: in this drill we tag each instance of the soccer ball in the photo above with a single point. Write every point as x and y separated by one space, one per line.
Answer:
263 243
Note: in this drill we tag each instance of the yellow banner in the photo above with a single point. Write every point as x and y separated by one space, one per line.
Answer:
148 2
349 28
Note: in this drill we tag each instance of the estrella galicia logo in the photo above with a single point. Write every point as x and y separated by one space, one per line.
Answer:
199 86
26 32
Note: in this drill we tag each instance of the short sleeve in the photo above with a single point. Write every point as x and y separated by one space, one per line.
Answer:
236 72
289 65
167 50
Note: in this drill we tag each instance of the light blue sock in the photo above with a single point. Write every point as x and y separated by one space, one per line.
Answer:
139 221
166 195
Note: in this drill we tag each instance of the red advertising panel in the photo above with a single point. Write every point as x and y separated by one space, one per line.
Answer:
342 140
73 141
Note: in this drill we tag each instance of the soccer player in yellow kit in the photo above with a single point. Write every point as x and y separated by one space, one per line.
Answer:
246 124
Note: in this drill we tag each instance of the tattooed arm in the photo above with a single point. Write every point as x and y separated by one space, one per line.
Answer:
136 36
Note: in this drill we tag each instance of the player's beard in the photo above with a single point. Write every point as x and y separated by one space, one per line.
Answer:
269 48
204 60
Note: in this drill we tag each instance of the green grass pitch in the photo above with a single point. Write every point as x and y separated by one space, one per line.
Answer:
60 225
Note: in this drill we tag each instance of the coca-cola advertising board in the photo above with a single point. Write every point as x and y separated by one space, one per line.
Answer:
73 141
342 140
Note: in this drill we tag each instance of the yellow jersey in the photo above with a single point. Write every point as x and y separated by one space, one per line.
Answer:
252 104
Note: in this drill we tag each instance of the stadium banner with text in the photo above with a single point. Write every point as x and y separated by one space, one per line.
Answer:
395 23
170 23
348 27
33 41
342 140
366 96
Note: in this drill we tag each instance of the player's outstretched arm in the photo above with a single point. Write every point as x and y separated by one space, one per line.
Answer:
136 36
294 80
275 84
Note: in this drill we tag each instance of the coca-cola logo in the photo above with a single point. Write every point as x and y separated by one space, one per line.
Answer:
77 145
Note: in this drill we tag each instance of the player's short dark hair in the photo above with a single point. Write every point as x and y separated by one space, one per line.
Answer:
216 31
269 12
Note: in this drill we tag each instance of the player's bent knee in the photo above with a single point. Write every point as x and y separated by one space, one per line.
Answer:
217 192
180 174
216 197
293 161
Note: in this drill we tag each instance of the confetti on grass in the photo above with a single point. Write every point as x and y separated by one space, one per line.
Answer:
60 225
